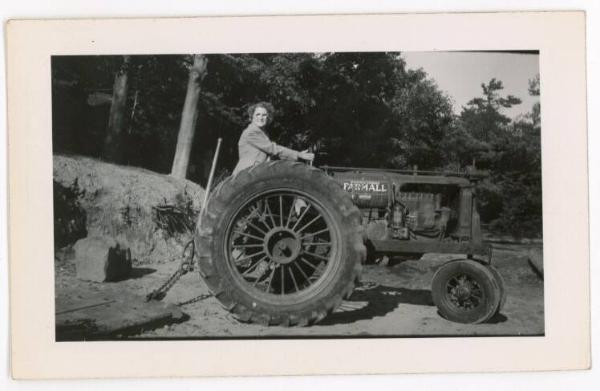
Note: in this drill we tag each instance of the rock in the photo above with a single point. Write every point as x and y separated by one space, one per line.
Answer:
101 259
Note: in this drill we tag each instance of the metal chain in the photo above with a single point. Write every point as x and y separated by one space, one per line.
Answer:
160 292
194 299
187 265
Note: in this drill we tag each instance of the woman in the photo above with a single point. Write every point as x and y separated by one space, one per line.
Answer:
255 146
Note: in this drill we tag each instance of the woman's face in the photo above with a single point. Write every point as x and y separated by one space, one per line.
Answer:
260 117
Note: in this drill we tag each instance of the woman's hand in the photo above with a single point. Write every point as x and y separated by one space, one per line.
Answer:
305 155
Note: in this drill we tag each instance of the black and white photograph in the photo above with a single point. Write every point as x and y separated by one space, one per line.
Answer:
297 195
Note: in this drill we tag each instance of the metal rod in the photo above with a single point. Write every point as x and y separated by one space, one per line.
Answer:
85 307
210 177
420 172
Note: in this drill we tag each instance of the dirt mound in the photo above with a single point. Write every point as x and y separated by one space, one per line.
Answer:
153 214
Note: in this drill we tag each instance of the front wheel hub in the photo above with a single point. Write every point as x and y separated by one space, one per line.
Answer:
464 292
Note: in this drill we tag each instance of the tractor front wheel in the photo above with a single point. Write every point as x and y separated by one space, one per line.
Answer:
466 291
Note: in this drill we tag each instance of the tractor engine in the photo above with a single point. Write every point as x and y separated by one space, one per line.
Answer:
402 207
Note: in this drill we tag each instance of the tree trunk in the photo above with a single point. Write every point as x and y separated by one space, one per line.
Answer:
116 118
189 115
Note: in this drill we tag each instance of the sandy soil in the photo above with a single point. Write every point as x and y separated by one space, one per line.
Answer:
393 300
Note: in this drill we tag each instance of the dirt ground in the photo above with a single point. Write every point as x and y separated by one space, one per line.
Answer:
393 300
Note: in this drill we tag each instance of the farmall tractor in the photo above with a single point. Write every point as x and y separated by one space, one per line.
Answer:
284 243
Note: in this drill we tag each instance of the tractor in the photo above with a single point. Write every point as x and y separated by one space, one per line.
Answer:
284 243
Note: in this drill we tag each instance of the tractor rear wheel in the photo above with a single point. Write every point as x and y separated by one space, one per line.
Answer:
466 291
280 244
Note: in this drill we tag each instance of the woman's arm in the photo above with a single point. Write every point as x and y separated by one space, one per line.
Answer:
259 139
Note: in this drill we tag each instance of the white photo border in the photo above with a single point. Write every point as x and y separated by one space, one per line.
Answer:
560 38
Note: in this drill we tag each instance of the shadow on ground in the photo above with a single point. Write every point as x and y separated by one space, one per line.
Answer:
86 330
369 303
498 318
137 272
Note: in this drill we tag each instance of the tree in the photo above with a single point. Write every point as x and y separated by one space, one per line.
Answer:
534 90
371 111
189 116
483 116
113 150
510 201
423 119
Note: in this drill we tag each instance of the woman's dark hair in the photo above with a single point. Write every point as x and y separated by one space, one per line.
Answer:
265 105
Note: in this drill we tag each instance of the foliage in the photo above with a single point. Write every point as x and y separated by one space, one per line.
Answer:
511 199
69 216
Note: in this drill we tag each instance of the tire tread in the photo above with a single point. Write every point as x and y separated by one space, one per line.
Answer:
351 228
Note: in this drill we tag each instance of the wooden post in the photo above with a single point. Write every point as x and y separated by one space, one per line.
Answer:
116 118
189 116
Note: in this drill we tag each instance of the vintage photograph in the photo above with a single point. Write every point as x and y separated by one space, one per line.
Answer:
297 195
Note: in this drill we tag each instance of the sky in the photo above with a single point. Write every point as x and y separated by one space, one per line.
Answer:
460 74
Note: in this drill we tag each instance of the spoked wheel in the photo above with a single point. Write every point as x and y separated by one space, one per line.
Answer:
466 291
281 243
